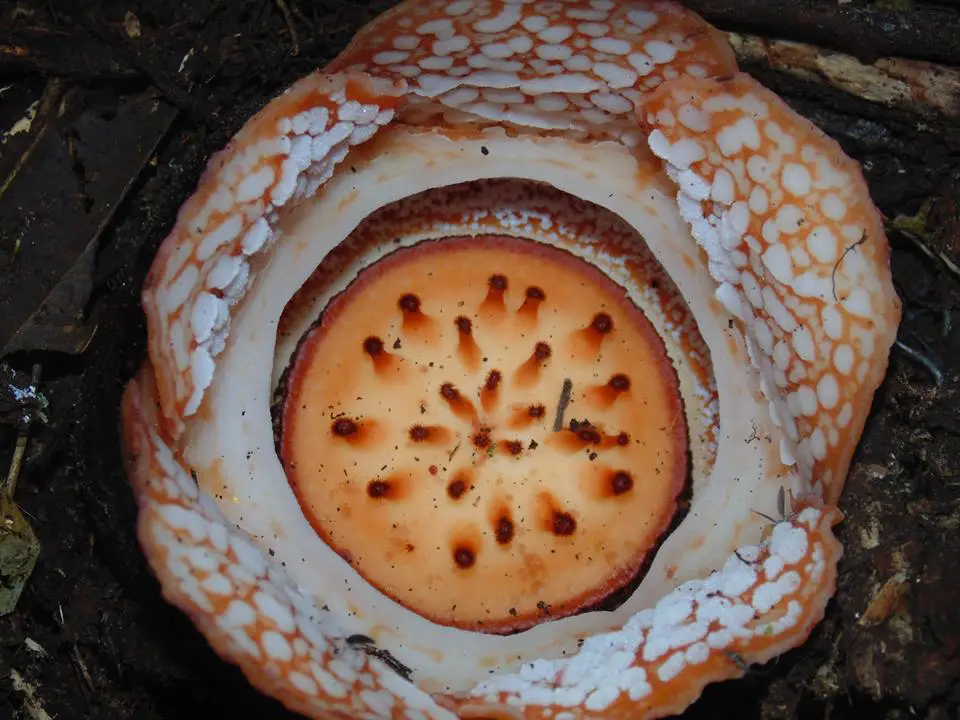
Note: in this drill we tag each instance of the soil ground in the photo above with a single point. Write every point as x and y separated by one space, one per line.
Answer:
132 96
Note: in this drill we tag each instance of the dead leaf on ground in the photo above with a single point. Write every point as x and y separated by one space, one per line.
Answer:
57 201
888 600
19 549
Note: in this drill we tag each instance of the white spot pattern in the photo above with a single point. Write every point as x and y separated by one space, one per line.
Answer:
812 235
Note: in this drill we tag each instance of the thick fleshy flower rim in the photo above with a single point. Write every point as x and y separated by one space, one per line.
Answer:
697 126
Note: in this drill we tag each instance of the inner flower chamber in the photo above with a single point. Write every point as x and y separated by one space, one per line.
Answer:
484 428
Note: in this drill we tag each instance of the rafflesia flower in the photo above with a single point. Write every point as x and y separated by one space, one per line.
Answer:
510 366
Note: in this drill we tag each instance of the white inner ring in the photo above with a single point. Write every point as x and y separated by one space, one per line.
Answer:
233 440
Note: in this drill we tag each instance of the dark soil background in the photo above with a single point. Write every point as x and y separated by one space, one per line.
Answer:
131 96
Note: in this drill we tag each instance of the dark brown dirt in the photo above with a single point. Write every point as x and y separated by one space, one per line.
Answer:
130 120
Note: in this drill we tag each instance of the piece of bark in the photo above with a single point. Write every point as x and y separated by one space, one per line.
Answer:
913 85
920 31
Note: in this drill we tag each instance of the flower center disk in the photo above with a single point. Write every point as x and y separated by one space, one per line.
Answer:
487 430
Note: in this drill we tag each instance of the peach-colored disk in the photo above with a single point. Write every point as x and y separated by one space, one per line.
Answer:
488 430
